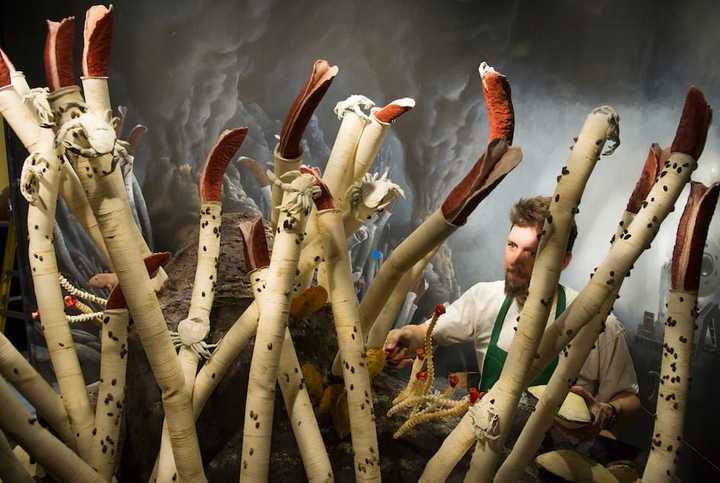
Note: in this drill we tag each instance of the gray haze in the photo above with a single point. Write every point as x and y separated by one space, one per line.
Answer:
189 69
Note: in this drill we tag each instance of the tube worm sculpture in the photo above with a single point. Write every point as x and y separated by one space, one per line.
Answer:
290 376
679 333
18 371
601 125
192 331
39 183
288 153
350 341
299 190
96 166
497 161
569 366
56 458
11 469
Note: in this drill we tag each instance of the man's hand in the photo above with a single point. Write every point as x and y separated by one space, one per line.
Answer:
604 414
400 344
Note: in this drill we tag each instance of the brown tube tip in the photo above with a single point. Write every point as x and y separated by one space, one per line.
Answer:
97 41
6 68
303 107
58 55
498 97
136 135
394 110
255 246
214 170
497 161
325 200
116 300
693 126
653 165
691 236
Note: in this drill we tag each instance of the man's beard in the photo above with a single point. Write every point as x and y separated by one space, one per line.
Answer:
517 291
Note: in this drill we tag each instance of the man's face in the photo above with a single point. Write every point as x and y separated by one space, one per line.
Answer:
520 249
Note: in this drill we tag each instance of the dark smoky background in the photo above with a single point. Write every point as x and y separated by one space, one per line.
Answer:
189 69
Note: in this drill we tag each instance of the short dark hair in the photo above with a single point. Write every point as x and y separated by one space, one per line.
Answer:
533 211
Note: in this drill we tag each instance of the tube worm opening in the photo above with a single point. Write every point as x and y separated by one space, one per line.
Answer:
651 170
394 110
691 234
225 148
97 41
501 115
116 300
325 200
495 163
58 55
255 246
303 107
693 126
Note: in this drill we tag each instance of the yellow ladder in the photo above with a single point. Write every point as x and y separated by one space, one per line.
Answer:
10 240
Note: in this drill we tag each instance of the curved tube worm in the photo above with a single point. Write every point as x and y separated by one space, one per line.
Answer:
18 371
288 153
374 134
453 448
600 125
58 53
44 171
259 406
351 347
11 469
208 255
490 169
501 115
56 458
679 333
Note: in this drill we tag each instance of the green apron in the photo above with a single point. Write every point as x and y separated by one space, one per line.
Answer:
495 356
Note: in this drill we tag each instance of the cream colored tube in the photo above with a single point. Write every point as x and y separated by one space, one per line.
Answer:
43 265
673 390
569 366
281 166
72 192
368 146
450 453
56 458
259 406
112 212
297 402
384 322
351 345
19 82
339 169
111 396
503 398
18 371
11 469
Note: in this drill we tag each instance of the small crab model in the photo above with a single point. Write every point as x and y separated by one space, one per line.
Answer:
38 100
302 188
372 194
191 333
353 103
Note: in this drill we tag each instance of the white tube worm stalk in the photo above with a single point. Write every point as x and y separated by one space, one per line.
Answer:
259 406
47 170
56 458
18 371
352 348
600 125
11 469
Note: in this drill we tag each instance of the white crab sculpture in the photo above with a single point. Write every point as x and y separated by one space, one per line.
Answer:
372 194
191 333
302 188
353 103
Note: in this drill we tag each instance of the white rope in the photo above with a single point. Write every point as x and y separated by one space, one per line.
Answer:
74 319
76 292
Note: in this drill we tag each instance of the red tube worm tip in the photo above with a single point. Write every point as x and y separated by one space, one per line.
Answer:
255 246
222 152
116 300
6 68
497 161
303 107
498 97
58 54
693 126
325 200
651 169
394 110
136 135
691 236
97 41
